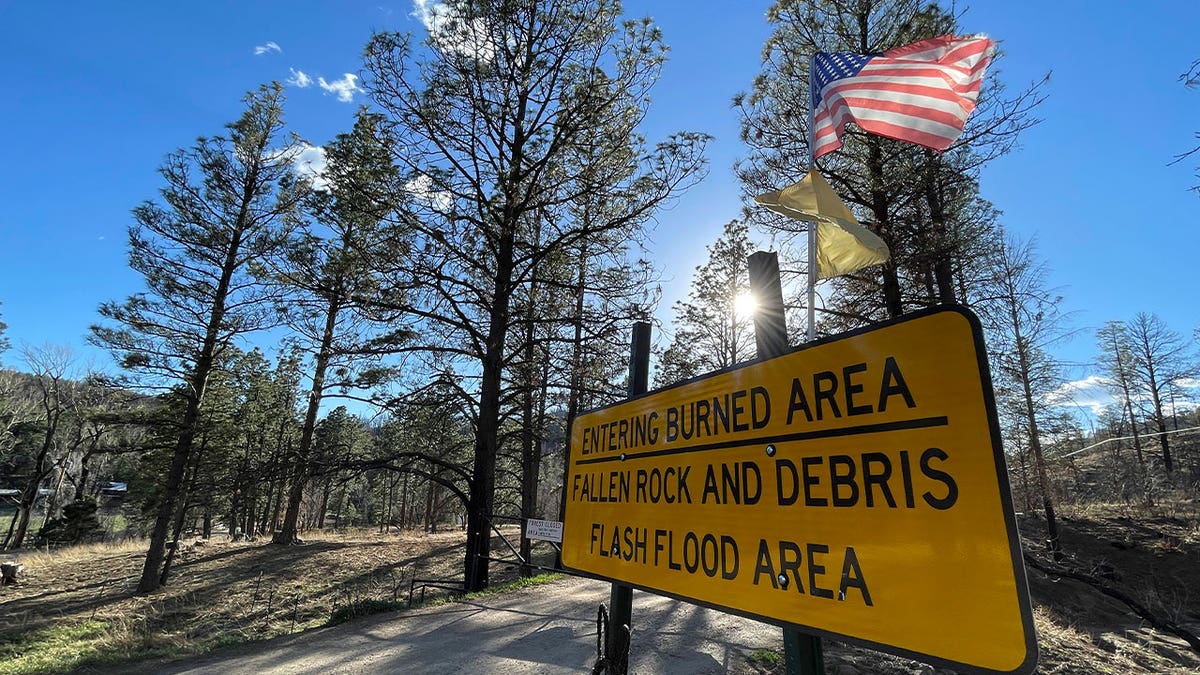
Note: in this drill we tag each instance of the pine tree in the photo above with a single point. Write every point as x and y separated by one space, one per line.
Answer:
336 273
924 205
489 128
713 327
228 202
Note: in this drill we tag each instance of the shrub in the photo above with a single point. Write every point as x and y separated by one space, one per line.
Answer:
78 524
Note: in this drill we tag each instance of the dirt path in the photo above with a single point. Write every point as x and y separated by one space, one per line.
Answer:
543 629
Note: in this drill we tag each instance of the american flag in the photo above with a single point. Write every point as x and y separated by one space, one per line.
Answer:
920 93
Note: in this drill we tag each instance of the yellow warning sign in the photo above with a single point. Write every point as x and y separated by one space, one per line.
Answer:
855 488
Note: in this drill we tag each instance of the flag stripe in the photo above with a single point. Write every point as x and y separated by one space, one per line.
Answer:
946 48
959 83
850 108
908 133
911 129
883 87
897 94
920 93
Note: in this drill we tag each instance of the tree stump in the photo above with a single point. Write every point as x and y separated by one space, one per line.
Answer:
10 573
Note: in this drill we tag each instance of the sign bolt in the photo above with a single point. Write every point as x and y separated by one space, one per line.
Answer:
771 450
783 580
622 457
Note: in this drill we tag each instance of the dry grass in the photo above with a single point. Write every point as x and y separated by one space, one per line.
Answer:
78 554
1176 504
1068 650
1146 554
76 606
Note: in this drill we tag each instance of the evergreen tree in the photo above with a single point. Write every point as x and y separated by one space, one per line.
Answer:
227 203
267 416
77 524
339 440
337 287
489 126
923 204
713 327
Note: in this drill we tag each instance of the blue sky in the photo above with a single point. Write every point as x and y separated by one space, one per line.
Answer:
96 94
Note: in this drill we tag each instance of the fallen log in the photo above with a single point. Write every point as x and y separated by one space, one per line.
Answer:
1160 622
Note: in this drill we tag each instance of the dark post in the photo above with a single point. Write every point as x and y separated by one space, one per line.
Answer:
639 359
620 600
802 652
770 326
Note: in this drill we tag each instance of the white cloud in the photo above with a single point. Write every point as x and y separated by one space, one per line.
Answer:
453 34
310 163
345 88
422 189
299 78
1190 390
1090 393
259 50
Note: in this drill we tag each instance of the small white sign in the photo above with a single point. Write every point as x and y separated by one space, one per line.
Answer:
546 530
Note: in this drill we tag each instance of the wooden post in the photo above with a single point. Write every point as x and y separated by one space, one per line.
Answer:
802 652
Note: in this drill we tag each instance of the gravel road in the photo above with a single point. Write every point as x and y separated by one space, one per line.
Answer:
549 628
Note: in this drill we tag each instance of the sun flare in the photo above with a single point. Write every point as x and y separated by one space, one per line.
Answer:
744 305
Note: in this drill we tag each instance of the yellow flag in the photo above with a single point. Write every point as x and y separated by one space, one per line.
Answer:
843 244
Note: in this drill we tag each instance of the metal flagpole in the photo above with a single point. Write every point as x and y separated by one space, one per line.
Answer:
802 653
812 279
812 224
